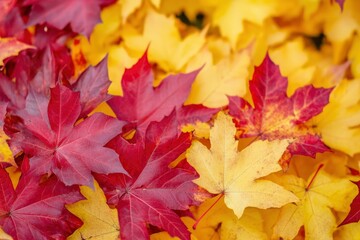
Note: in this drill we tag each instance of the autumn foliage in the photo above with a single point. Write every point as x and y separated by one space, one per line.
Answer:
165 119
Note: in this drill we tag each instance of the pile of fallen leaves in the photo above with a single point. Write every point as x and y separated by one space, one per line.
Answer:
162 119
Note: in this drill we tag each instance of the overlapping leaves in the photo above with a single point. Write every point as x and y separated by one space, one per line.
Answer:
49 117
276 116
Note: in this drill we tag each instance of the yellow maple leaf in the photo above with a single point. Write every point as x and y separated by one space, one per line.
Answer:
340 25
354 56
292 59
218 79
199 129
224 170
167 48
309 7
221 222
100 221
130 6
339 121
348 232
321 196
11 47
230 15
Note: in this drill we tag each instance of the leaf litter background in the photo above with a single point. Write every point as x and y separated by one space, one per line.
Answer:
132 119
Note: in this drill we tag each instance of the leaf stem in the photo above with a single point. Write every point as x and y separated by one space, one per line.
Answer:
312 179
203 215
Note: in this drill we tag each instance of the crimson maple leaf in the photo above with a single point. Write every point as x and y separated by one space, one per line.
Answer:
93 84
143 104
36 211
153 188
56 146
46 69
82 15
275 115
50 65
354 214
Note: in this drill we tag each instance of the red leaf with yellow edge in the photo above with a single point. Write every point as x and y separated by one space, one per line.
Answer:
143 104
354 214
277 116
36 211
153 190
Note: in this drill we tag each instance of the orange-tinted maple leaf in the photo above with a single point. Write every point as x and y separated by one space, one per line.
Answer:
277 116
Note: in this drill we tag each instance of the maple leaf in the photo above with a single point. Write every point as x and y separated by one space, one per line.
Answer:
11 47
143 104
57 146
224 170
172 54
92 85
349 232
221 222
100 221
217 80
37 210
276 116
231 23
153 190
321 196
354 214
82 15
48 66
338 123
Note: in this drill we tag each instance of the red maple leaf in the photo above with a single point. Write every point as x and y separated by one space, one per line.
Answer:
56 146
93 84
48 66
36 211
275 115
143 104
354 214
82 15
153 190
